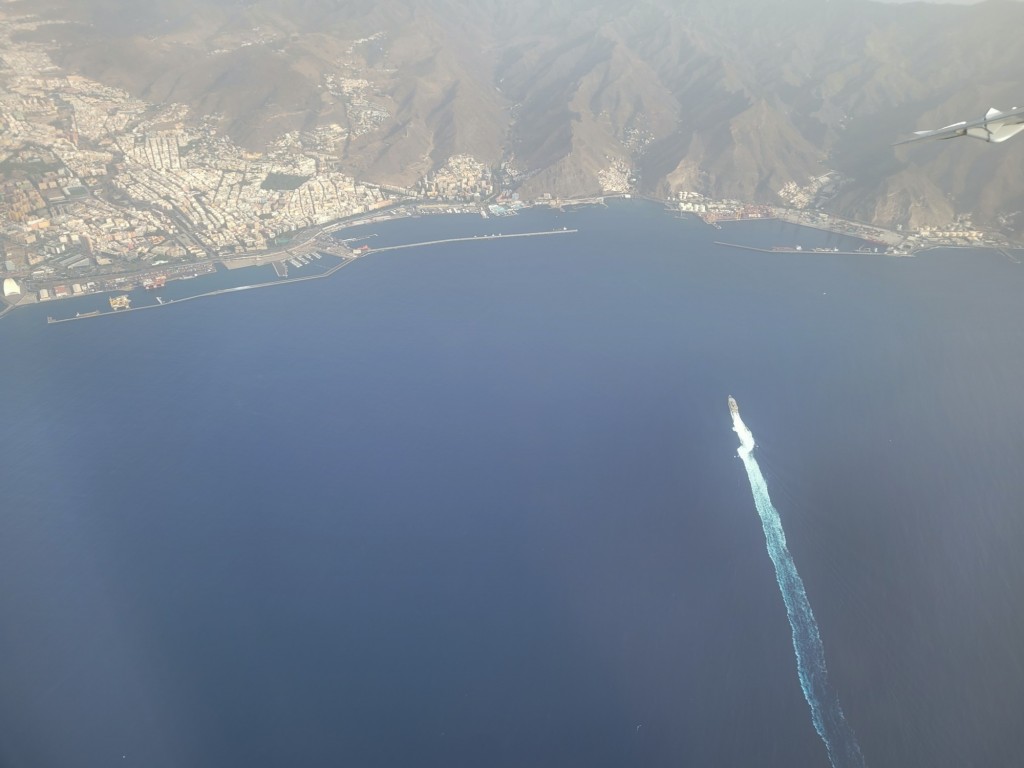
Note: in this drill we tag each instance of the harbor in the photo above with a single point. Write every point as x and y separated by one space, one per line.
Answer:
315 257
122 303
318 263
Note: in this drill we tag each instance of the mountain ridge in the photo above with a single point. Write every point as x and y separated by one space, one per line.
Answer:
739 100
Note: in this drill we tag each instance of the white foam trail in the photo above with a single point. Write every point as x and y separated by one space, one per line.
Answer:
826 713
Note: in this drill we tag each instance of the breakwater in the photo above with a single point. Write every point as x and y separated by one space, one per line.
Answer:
471 239
219 292
799 250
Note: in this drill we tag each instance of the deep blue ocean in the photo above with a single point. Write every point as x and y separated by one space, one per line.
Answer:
479 504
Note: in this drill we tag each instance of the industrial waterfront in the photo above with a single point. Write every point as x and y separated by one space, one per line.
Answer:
318 264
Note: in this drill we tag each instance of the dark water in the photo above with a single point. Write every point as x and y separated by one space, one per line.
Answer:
478 504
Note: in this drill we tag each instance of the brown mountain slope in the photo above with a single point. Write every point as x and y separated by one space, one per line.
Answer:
735 99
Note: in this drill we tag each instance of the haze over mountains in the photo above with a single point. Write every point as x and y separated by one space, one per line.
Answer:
732 99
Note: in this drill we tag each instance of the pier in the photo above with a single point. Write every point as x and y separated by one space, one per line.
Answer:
281 269
472 239
801 250
169 302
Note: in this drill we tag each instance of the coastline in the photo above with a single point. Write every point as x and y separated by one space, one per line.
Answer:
207 294
834 252
346 258
324 239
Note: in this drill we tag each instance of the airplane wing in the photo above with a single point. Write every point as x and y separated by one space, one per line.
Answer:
995 126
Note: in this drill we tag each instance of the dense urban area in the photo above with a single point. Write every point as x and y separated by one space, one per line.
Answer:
100 190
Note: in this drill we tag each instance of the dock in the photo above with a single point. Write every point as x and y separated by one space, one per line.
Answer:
472 239
169 302
803 251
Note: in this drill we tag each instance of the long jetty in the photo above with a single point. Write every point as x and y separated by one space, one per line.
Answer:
327 273
169 302
804 251
472 239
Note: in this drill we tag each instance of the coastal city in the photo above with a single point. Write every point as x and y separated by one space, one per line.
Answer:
100 191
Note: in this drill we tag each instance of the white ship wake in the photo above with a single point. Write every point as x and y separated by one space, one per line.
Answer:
826 713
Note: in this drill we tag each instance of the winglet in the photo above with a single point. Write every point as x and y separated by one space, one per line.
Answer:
996 126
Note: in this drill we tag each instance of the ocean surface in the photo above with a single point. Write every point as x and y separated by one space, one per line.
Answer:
479 504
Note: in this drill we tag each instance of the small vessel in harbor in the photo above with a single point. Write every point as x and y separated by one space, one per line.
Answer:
733 408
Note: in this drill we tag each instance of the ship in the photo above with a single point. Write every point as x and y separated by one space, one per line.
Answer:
733 408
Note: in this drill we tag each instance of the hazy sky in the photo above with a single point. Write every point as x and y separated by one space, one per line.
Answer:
956 2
